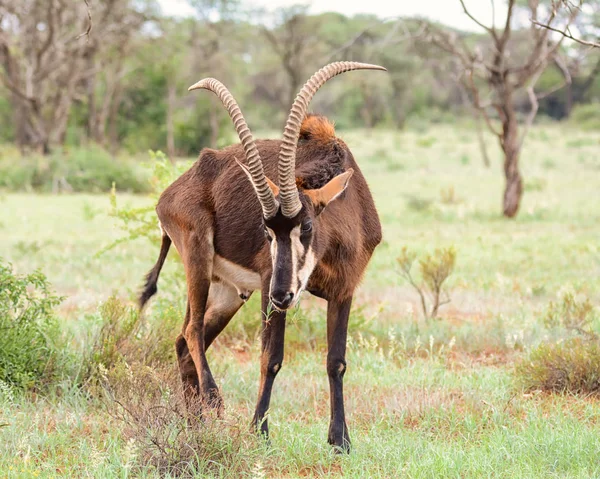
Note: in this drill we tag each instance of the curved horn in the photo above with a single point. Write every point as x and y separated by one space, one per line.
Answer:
288 194
255 168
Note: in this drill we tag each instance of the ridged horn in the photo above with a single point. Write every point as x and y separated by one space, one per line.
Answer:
254 164
288 193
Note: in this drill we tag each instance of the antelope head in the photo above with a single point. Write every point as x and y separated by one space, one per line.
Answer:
290 214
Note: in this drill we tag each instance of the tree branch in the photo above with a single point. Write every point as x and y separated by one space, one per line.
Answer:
476 101
566 33
89 27
491 31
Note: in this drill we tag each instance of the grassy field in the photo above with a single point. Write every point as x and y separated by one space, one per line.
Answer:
424 398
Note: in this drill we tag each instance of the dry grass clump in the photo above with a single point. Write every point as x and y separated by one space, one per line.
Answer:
122 333
162 434
566 366
571 366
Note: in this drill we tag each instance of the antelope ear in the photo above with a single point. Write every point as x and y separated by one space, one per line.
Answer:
273 186
323 196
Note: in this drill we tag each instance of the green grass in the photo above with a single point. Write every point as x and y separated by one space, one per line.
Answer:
414 409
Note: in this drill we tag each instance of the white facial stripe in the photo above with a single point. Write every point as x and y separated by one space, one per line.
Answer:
273 246
307 268
302 276
297 250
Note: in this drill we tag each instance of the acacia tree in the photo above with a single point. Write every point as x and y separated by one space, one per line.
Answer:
292 42
41 59
50 57
111 42
495 72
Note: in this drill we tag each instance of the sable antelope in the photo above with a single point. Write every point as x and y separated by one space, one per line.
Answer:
236 236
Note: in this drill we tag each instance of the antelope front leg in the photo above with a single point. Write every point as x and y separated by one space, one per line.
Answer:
273 333
337 332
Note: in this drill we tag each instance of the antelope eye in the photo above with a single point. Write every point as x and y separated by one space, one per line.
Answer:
306 227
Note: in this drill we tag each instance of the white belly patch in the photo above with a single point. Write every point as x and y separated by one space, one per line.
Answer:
244 280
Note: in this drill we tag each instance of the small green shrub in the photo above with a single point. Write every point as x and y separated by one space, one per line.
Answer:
142 222
435 270
123 334
32 350
572 366
573 315
118 326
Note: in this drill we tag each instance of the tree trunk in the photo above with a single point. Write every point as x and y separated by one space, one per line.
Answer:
90 85
481 139
170 121
511 148
399 105
113 131
568 99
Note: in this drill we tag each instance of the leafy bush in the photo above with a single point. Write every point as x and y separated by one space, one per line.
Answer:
89 169
571 366
586 116
572 315
566 366
142 222
122 334
32 351
435 270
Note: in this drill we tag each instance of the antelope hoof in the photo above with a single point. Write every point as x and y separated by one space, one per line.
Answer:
210 405
339 439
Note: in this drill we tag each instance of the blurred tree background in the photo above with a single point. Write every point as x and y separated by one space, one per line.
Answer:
122 86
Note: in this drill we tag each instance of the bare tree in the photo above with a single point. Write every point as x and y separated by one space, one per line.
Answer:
494 73
112 40
292 42
41 54
48 60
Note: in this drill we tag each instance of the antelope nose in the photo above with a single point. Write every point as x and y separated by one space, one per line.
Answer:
282 299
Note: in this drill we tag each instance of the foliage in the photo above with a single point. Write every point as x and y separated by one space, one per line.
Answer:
123 334
572 366
142 222
150 406
32 351
89 169
435 269
573 315
586 116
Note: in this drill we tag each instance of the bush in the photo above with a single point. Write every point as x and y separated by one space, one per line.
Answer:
32 351
573 315
122 334
571 366
90 169
586 116
435 270
143 222
163 435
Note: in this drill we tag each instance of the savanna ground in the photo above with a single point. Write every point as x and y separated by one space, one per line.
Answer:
424 398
